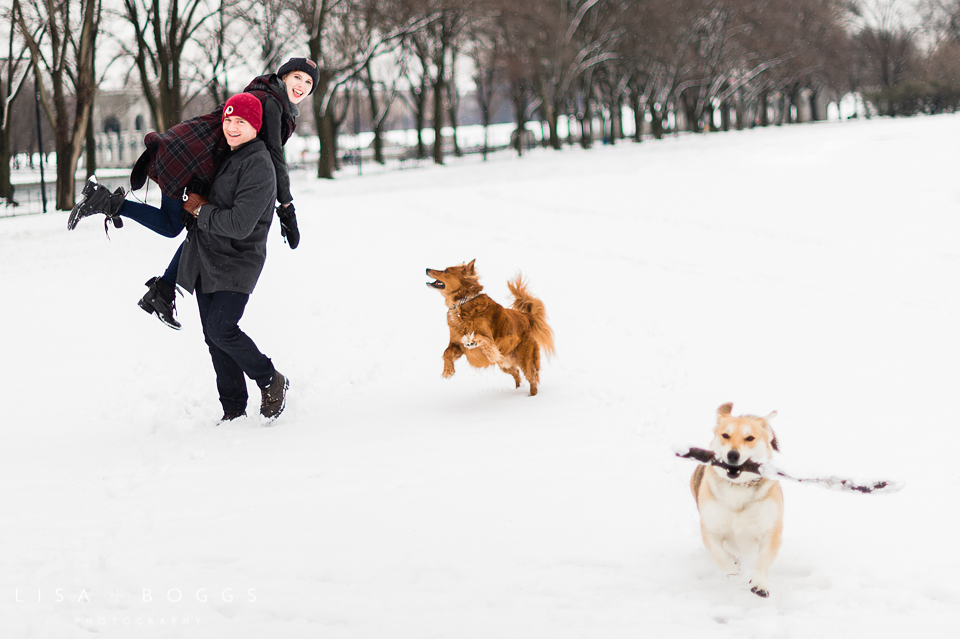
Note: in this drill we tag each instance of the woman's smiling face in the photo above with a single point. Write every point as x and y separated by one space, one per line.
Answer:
299 85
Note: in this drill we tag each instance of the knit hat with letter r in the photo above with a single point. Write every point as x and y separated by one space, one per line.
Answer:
246 106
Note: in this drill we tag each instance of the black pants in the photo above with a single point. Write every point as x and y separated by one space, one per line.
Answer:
232 351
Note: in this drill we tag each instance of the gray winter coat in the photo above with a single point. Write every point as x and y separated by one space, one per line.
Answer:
227 250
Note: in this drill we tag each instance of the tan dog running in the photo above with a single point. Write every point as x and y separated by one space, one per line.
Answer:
741 514
487 333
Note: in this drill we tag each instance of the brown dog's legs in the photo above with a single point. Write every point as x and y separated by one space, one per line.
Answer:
513 371
452 354
486 346
528 352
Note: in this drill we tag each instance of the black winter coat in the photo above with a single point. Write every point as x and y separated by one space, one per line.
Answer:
279 123
227 250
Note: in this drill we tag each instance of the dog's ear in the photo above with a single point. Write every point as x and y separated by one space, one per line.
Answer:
724 410
773 436
470 268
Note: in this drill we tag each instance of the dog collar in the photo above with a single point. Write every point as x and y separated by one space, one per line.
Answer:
746 484
462 302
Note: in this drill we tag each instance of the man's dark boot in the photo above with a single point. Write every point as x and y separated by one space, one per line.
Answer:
96 198
229 417
274 396
160 300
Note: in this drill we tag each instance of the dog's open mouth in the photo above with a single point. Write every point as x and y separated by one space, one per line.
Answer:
436 284
733 473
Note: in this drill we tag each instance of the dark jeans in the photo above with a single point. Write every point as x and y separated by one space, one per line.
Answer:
165 220
232 351
171 273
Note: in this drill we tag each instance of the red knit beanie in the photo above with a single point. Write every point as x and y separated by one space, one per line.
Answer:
246 106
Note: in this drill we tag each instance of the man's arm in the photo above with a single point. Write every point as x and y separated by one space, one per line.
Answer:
256 192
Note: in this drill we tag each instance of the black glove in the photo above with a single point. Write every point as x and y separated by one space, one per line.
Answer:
288 225
189 222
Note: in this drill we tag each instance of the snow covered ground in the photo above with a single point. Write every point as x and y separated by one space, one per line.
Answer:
809 269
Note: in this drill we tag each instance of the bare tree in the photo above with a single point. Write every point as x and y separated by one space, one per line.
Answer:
382 92
487 54
276 27
12 81
941 19
342 36
887 40
65 59
418 82
519 34
223 46
163 29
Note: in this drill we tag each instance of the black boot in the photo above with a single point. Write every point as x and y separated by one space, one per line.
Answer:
161 300
229 417
274 396
96 198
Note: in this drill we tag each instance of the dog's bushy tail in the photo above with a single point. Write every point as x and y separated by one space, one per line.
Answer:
525 302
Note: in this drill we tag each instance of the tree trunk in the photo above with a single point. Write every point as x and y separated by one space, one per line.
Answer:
815 115
453 108
324 124
614 121
638 113
690 112
91 158
438 88
586 126
6 187
421 123
520 108
377 124
656 123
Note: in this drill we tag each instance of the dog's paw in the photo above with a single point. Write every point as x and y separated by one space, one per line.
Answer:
760 591
730 566
448 372
469 341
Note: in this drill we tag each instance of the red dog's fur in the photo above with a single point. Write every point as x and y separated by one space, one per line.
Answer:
487 333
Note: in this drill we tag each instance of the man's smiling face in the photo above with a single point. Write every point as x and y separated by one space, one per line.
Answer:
237 131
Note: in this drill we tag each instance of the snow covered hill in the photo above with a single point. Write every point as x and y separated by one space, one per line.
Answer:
809 269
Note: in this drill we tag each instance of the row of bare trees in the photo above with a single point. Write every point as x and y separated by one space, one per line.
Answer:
706 63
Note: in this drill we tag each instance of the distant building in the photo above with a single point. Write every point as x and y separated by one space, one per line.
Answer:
120 120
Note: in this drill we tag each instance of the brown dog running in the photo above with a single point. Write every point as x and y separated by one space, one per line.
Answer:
487 333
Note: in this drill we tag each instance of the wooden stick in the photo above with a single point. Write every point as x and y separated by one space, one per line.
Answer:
770 471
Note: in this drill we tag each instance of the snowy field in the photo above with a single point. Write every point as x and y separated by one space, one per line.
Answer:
809 269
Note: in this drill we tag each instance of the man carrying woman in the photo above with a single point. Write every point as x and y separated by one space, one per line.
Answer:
183 162
224 254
